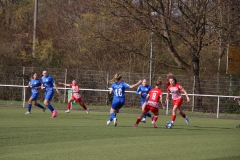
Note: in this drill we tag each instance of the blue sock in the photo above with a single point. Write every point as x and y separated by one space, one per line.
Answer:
144 116
29 107
40 106
148 114
112 116
50 107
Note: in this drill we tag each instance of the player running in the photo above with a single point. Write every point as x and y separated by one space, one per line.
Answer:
75 96
49 83
177 99
152 99
35 85
143 90
118 89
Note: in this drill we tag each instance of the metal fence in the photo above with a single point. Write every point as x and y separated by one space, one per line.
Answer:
214 91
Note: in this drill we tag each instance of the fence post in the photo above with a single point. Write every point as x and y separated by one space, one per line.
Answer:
193 99
65 81
24 93
167 107
218 107
107 87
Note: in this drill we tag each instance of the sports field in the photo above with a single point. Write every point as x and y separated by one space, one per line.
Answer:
81 136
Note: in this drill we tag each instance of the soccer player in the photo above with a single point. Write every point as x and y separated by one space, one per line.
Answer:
75 96
143 90
35 85
177 99
151 104
49 83
118 89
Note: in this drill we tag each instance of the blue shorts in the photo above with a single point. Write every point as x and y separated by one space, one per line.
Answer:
34 96
117 103
49 95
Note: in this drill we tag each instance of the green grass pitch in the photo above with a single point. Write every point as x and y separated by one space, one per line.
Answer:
81 136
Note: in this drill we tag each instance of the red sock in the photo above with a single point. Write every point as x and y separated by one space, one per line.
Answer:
183 115
155 118
83 106
173 117
138 120
69 106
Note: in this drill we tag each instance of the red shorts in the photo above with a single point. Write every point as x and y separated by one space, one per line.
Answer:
178 102
77 99
151 108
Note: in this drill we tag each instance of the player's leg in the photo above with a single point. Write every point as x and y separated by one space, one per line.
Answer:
37 104
174 113
69 104
29 105
143 107
48 98
183 115
155 112
81 103
140 117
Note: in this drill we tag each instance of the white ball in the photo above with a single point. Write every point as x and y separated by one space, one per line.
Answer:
169 125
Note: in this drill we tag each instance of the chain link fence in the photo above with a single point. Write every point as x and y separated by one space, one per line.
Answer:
90 79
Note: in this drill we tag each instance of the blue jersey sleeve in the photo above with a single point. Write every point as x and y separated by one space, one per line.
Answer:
138 89
126 85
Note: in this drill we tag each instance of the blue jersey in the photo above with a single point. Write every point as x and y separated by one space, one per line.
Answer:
144 90
34 83
48 83
119 89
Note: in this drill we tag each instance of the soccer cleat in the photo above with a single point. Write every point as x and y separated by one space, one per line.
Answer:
28 112
187 121
87 110
68 111
135 125
115 122
44 109
154 124
143 120
108 122
54 114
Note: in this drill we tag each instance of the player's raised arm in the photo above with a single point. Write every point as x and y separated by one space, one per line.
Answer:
65 84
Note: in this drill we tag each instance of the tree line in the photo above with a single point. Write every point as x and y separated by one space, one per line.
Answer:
187 37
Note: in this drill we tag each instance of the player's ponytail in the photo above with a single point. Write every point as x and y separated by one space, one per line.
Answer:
116 78
159 81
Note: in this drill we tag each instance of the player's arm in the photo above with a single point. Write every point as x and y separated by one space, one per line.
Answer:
160 99
168 93
111 91
55 86
138 91
185 92
65 84
134 85
235 98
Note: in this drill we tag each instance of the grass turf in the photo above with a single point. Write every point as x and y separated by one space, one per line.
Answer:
80 136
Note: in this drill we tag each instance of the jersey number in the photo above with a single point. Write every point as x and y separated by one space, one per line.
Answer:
118 92
153 96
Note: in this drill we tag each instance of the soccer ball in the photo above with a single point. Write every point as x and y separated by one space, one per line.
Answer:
169 125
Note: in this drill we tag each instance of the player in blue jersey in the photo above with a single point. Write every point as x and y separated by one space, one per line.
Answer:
143 90
49 83
35 85
118 89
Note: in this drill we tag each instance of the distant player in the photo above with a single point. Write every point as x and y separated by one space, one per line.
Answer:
151 104
143 90
118 89
49 83
177 99
35 85
75 96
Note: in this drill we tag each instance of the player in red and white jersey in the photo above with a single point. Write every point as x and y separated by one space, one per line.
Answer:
177 99
75 96
152 103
